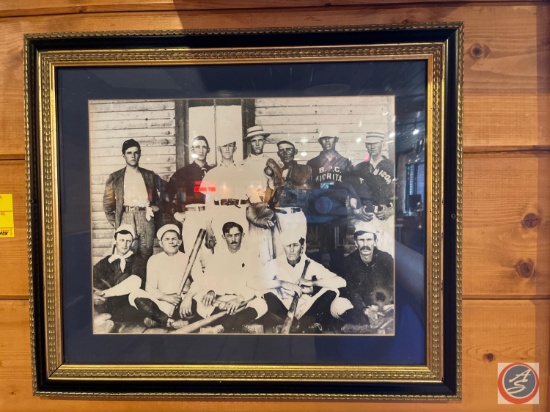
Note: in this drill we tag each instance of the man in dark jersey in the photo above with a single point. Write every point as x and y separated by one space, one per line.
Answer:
114 278
186 202
373 179
329 166
327 219
369 292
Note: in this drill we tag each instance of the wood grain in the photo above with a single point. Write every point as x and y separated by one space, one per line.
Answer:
13 251
506 80
499 192
506 114
487 340
12 8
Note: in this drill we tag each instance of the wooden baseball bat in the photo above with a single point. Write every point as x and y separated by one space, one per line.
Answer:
192 327
192 257
291 314
191 261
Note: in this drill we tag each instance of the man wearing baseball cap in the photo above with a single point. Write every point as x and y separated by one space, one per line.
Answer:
283 278
373 179
329 166
369 274
165 283
116 276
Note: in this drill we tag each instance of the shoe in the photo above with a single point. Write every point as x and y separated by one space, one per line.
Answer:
212 329
315 328
150 323
177 324
253 328
356 329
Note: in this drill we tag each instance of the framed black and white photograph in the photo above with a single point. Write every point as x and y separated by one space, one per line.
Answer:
273 213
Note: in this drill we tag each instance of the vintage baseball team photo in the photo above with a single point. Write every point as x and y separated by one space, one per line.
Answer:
239 216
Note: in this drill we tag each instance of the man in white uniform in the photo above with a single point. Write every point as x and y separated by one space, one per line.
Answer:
226 197
165 284
224 286
283 278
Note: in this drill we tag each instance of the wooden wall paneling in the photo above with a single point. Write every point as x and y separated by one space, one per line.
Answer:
506 237
14 8
504 68
506 110
501 239
487 340
13 251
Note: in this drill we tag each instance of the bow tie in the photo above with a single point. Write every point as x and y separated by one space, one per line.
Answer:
114 257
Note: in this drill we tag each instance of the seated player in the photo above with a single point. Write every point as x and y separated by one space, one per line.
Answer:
284 278
166 282
114 278
369 273
224 286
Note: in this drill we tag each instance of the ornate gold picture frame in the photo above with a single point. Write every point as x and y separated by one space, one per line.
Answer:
263 214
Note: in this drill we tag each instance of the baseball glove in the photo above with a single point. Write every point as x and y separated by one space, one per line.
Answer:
259 214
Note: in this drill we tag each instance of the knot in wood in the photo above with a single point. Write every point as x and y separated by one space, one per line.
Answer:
489 357
525 268
478 51
530 220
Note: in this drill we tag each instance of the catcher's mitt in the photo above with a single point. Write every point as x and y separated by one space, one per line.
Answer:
259 214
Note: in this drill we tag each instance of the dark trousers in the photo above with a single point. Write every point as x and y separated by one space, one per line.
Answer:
319 312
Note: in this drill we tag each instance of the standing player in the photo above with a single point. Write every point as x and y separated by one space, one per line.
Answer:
329 166
186 202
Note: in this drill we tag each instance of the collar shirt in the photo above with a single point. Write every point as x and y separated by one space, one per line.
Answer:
135 192
374 184
108 273
369 283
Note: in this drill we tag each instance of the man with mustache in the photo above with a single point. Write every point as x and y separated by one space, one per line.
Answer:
369 274
224 286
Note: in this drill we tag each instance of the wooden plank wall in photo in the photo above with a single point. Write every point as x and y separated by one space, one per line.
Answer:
506 250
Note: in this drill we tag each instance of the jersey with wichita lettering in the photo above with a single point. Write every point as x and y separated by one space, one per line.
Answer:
328 170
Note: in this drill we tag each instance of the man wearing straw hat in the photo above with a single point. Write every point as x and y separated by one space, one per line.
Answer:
260 185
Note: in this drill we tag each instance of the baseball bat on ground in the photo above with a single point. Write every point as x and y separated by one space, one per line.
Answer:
192 327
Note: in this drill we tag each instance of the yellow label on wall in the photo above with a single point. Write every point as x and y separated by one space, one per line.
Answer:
6 216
